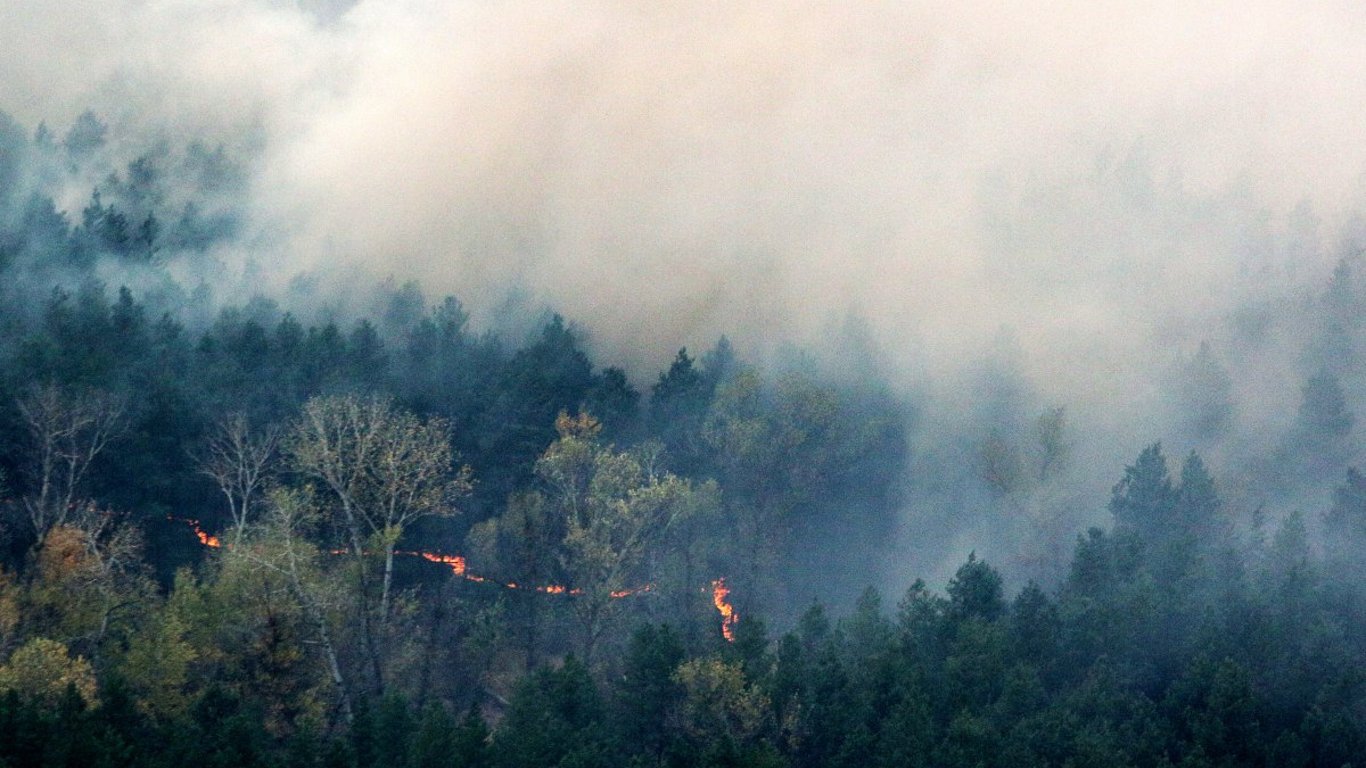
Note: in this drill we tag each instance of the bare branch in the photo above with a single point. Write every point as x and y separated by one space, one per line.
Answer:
67 431
239 459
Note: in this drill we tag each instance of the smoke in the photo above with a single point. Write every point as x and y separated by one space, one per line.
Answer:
1077 193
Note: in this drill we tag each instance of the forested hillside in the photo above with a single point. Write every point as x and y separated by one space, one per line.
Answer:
277 534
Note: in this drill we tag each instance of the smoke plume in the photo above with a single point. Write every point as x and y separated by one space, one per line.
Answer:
1070 197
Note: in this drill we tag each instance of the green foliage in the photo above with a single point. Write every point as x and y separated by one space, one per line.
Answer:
555 717
648 691
975 592
1142 502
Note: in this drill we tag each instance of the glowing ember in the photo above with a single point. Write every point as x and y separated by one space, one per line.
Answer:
719 592
628 592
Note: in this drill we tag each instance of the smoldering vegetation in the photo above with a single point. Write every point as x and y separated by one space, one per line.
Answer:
899 391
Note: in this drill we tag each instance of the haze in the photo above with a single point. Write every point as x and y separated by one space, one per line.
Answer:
1079 193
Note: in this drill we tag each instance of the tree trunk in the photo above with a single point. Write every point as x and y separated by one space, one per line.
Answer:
388 583
319 622
363 582
325 637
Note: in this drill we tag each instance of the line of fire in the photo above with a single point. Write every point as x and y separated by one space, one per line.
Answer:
459 568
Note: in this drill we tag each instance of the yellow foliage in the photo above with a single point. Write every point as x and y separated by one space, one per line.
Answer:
63 554
42 669
719 701
9 606
581 426
158 663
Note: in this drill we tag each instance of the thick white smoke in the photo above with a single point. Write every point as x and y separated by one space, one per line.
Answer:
1101 184
669 171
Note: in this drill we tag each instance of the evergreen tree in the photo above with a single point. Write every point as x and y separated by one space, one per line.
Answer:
1143 501
1345 525
1206 396
648 691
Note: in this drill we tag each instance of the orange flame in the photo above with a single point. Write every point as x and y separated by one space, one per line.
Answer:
456 563
719 592
205 538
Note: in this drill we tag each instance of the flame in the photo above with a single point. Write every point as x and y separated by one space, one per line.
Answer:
456 562
719 592
459 567
205 538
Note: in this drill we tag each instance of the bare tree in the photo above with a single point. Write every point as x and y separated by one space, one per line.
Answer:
238 458
67 430
385 467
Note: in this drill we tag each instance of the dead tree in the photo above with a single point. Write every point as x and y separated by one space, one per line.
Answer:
67 431
239 458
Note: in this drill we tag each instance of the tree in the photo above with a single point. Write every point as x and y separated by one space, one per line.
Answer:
648 691
436 740
614 398
85 136
615 507
975 592
42 669
1331 345
1142 502
10 611
284 552
549 375
1000 465
522 546
678 404
555 717
718 703
1034 626
67 431
1323 410
238 458
1345 524
867 632
1206 395
385 467
1198 506
1323 426
157 664
91 584
365 354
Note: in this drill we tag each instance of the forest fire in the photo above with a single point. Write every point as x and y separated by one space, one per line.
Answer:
719 593
205 538
457 563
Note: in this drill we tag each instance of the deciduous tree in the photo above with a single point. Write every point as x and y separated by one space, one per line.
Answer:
238 458
67 431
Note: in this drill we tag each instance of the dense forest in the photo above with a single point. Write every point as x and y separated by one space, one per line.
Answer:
264 534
